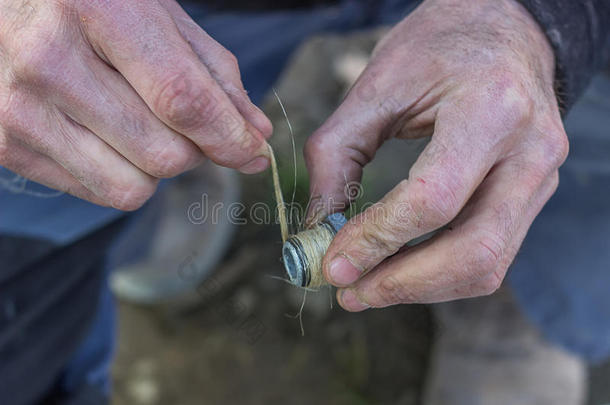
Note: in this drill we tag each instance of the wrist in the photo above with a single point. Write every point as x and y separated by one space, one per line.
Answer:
509 23
537 45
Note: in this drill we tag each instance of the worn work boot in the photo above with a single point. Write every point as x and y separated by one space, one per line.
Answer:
188 229
487 353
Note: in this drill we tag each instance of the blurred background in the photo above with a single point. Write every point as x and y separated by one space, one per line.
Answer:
235 338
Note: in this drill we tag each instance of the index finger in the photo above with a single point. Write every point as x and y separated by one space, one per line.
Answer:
141 40
444 177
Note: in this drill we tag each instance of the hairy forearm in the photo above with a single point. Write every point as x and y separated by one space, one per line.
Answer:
579 31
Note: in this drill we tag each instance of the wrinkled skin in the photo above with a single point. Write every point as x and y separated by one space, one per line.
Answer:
477 77
101 98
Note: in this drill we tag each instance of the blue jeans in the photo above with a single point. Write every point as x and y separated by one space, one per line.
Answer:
56 330
561 276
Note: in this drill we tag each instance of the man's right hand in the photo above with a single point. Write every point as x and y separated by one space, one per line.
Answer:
101 98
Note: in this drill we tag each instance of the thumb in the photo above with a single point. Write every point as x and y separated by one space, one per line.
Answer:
338 151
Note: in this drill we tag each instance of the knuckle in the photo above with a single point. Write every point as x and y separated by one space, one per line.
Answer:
547 154
133 122
40 61
435 205
130 197
554 180
402 215
314 146
557 147
169 162
185 105
231 60
486 255
232 70
33 68
233 130
489 285
391 291
379 240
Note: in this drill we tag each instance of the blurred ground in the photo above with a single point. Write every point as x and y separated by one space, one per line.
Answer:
234 343
238 345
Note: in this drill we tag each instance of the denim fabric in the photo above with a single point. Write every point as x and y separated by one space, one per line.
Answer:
263 42
562 274
89 365
49 297
579 31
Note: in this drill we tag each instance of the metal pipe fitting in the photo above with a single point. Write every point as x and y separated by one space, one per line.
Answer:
295 259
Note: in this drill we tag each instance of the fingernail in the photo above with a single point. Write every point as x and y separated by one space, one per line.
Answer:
350 302
256 165
342 271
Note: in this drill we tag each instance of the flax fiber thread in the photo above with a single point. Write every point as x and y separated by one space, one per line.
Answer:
315 241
